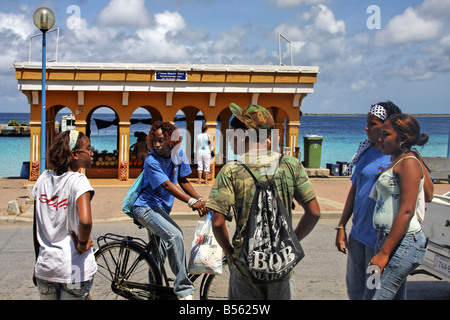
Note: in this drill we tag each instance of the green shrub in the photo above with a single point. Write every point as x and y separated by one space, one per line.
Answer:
13 123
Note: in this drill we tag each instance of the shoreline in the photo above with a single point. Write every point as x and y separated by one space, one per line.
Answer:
14 131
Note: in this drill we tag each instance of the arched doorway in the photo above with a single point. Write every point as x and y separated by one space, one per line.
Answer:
140 124
102 130
64 120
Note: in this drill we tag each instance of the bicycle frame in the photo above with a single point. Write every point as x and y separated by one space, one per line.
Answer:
121 271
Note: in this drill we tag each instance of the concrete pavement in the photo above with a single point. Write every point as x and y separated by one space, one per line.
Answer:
109 193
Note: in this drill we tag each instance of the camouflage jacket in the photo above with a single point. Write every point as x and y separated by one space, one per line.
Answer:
235 188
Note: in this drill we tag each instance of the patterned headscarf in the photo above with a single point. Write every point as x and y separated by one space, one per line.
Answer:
379 112
73 138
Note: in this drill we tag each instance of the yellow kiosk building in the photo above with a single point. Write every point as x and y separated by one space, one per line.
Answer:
163 90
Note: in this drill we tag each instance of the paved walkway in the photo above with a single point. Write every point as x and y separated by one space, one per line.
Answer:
109 194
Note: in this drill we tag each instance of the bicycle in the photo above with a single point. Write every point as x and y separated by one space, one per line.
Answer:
127 269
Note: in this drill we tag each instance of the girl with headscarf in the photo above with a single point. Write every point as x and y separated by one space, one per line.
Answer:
368 163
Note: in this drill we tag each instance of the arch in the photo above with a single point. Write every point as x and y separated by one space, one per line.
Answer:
190 118
52 119
106 144
58 125
155 114
282 119
108 122
140 124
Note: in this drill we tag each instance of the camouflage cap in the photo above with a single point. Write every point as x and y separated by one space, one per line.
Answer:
253 116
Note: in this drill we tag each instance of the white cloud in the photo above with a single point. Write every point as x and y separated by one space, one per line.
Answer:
293 3
318 39
125 13
362 84
407 28
435 8
414 71
17 23
156 43
326 21
229 46
15 29
445 41
169 22
159 43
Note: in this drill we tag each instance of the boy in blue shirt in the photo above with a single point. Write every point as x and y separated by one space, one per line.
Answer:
165 166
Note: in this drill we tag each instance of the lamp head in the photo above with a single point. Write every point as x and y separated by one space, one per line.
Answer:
44 19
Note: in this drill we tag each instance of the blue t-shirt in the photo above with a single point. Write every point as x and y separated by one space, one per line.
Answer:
366 173
156 171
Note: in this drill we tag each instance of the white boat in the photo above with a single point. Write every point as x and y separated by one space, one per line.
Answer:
67 122
436 227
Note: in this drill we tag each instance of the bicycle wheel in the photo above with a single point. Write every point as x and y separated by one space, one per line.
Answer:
215 287
124 271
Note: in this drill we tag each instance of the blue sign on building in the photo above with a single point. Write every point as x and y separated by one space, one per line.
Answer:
171 75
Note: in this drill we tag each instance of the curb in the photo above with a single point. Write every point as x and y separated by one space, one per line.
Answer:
177 216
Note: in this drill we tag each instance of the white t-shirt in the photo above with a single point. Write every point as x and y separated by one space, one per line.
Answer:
57 215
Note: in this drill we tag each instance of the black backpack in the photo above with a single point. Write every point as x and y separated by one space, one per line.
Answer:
272 248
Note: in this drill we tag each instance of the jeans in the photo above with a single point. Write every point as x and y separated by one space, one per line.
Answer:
406 258
64 291
156 220
358 258
241 289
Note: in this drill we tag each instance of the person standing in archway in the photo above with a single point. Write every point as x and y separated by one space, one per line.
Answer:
203 153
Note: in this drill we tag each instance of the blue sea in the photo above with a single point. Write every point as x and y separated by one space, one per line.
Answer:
341 134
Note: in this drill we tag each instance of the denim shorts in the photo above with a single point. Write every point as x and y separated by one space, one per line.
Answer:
407 257
64 291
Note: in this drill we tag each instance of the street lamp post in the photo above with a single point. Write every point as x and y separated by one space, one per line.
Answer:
44 19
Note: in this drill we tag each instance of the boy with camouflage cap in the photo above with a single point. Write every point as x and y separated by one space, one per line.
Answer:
234 187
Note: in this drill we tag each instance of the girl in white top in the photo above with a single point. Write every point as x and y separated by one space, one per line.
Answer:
400 241
65 263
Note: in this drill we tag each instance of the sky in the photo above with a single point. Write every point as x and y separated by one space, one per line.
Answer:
367 51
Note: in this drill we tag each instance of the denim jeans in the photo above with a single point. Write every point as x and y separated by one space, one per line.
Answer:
64 291
406 258
358 258
158 221
241 289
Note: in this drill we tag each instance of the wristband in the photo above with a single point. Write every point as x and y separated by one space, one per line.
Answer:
193 201
337 228
82 243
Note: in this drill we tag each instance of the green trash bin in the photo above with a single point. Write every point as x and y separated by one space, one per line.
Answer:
313 150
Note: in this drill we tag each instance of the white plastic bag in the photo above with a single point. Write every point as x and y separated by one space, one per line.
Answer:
206 253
